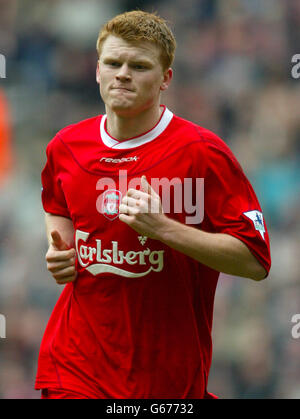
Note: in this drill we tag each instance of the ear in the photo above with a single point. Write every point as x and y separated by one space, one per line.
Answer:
98 72
168 75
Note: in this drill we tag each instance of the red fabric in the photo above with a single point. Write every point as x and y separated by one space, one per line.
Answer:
137 321
5 139
50 394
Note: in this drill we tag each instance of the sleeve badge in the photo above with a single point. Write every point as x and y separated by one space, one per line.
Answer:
258 221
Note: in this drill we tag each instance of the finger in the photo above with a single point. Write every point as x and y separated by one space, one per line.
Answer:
147 187
64 273
137 194
127 219
57 241
58 266
142 205
66 280
60 255
125 209
130 202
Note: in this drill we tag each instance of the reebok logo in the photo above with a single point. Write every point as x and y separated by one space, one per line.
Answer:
122 160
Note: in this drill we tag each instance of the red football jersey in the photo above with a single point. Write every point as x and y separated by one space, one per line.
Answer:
137 321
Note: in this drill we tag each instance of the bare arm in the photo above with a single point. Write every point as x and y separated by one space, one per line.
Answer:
61 254
221 252
61 224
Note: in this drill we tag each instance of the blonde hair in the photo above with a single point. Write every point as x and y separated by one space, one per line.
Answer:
137 26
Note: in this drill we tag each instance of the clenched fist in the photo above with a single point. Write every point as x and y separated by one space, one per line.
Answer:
142 210
61 260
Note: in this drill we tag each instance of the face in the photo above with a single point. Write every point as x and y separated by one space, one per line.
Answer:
131 76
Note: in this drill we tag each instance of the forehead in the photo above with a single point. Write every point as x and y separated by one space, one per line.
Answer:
118 47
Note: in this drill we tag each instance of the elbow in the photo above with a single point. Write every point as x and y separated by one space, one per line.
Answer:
259 273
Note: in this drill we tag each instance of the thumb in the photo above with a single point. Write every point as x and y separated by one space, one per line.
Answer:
147 187
57 241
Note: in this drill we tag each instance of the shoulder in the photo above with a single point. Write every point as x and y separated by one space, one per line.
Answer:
204 146
203 138
75 133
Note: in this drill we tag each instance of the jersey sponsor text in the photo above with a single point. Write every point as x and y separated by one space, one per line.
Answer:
97 260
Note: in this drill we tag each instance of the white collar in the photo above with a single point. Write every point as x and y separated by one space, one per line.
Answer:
111 142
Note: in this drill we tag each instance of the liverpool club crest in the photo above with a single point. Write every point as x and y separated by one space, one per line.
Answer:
110 204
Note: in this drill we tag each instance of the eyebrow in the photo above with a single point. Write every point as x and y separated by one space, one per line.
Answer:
136 60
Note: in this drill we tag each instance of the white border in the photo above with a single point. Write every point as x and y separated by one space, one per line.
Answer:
138 141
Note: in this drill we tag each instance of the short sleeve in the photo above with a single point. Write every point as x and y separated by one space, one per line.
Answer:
230 203
53 198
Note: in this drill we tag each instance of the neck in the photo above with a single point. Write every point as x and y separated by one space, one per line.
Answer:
122 128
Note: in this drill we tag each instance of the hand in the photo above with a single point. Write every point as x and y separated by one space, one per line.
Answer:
61 260
142 210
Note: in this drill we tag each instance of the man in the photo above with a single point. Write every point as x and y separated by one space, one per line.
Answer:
141 262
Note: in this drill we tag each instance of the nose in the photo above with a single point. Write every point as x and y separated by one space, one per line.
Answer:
123 73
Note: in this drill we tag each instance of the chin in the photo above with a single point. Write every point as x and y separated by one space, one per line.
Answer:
124 110
126 113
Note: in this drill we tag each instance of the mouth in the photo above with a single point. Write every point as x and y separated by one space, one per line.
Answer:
123 89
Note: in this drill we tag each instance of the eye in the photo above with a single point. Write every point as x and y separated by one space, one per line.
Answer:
139 66
114 64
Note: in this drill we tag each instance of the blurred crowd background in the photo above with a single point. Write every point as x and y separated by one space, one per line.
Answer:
233 76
